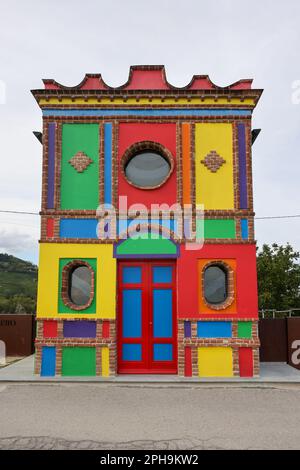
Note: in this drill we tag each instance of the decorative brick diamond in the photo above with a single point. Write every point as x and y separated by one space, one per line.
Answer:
213 161
80 161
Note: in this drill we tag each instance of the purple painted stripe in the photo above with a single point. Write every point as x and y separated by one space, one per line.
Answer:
242 167
187 329
51 165
80 329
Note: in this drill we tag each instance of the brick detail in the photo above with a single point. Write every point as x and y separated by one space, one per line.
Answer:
80 161
213 161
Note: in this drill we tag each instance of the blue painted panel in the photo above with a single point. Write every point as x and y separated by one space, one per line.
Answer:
132 313
78 228
107 162
163 352
169 224
48 361
146 112
162 313
162 274
244 228
132 274
214 329
132 352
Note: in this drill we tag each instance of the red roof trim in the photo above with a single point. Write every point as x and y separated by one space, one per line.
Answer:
147 77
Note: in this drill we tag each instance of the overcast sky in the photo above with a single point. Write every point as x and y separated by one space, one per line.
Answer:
226 39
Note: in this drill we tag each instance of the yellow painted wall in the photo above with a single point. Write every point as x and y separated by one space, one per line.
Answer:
48 278
215 362
105 361
142 101
214 190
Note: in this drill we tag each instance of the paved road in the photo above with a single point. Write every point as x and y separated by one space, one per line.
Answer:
109 416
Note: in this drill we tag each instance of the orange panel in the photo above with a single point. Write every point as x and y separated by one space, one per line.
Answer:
186 162
203 308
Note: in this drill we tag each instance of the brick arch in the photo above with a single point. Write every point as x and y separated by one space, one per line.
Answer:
148 227
66 271
230 284
144 146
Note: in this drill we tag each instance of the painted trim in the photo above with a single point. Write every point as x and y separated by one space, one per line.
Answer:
146 112
132 101
242 166
108 163
186 163
51 165
244 229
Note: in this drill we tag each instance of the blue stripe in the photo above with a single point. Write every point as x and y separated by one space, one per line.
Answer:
78 228
244 229
107 162
146 112
48 361
214 329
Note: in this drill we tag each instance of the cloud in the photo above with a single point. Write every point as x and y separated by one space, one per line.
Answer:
14 241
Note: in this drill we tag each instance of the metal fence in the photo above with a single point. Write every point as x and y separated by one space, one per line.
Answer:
272 313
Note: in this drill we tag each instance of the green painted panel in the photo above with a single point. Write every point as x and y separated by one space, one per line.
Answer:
62 308
219 228
78 361
144 246
245 329
80 190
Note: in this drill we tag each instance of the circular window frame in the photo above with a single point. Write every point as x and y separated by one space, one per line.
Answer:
229 272
144 146
65 289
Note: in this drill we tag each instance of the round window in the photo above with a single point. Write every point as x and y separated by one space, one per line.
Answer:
147 169
215 284
80 285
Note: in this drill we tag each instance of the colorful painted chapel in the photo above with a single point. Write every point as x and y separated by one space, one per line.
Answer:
136 295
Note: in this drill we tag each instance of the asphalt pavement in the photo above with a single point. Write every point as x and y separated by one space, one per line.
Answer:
158 416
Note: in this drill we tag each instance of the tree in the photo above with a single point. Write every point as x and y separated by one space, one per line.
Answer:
278 272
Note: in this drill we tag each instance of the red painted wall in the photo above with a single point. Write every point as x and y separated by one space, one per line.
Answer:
246 362
246 281
165 134
50 329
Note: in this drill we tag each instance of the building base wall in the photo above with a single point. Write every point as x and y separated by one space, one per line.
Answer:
60 351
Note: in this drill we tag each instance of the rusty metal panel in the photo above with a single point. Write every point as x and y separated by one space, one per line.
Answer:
18 333
273 338
293 334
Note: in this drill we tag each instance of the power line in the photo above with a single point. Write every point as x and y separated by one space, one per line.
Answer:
256 218
278 217
19 212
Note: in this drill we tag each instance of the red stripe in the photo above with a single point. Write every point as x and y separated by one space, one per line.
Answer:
50 329
188 371
50 228
105 329
246 362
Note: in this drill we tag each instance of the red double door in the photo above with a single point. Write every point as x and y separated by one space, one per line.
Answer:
147 327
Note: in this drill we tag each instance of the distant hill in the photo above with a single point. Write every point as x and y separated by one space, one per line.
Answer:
18 285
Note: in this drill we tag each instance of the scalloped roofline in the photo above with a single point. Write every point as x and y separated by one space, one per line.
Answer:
146 77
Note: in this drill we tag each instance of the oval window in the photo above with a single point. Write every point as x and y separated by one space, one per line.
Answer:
147 169
80 285
215 284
